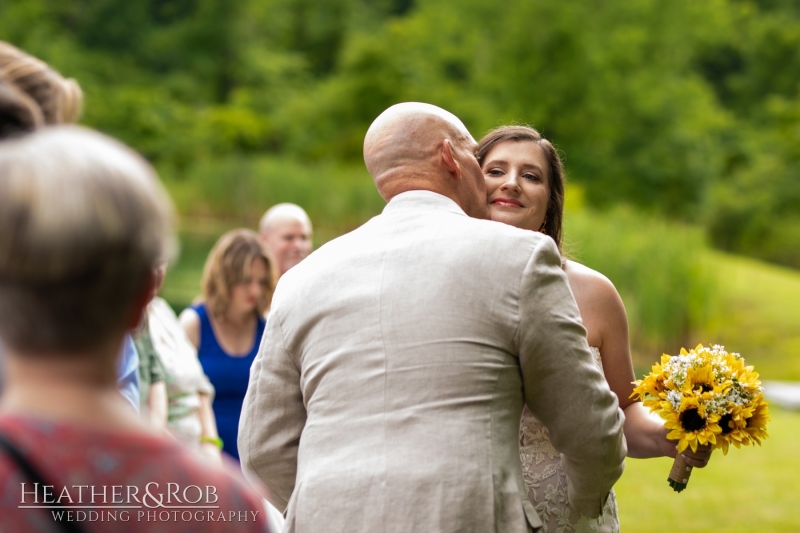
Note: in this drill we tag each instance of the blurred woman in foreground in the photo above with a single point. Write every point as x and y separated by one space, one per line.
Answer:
34 95
83 221
227 326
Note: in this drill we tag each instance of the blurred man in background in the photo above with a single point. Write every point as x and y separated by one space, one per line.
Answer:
285 230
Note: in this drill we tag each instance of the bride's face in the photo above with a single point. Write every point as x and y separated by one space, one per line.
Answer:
518 183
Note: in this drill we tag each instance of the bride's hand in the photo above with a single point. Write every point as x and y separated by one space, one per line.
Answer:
697 459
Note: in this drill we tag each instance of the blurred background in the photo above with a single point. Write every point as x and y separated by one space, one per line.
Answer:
679 124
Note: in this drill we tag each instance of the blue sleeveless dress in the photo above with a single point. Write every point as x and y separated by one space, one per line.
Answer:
229 375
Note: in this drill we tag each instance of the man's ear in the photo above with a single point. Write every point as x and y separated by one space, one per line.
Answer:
449 159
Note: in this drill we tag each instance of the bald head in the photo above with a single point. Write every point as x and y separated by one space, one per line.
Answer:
417 146
281 213
285 230
407 138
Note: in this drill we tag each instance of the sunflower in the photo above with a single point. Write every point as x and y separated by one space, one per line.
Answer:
690 424
701 381
757 424
748 378
651 389
733 424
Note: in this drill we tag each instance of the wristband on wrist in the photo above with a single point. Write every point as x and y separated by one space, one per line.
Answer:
212 440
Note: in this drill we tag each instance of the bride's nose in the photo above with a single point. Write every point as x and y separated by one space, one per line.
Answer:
511 183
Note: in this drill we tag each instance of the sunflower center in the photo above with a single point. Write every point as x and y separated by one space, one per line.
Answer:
692 421
704 387
726 424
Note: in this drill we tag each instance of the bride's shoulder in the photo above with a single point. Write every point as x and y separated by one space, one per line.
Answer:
582 273
601 307
588 283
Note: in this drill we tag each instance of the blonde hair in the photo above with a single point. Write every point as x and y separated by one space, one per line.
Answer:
60 100
83 221
18 112
229 263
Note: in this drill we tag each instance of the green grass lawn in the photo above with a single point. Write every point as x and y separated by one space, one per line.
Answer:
750 489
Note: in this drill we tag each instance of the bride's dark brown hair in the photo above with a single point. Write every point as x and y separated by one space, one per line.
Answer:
555 203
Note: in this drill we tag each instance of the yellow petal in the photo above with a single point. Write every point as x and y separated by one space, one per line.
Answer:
723 443
682 445
674 434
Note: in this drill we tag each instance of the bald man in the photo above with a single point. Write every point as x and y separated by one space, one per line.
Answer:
285 230
387 393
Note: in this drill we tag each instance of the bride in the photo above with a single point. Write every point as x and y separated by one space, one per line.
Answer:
525 183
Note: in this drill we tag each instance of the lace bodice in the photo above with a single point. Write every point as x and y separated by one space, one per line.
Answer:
546 482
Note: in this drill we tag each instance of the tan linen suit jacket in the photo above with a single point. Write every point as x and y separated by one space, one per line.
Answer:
387 392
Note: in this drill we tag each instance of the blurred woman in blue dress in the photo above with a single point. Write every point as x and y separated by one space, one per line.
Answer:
227 324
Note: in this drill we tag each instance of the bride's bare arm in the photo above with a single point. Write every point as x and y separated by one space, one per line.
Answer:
604 317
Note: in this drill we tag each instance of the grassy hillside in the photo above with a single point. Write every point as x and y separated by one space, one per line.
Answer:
758 315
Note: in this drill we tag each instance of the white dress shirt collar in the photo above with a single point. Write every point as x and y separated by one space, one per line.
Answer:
423 199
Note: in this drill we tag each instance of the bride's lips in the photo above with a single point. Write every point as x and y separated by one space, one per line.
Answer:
506 202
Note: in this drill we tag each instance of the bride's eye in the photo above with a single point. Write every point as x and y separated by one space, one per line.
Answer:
494 172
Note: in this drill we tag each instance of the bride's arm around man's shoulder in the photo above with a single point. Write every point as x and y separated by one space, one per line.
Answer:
564 388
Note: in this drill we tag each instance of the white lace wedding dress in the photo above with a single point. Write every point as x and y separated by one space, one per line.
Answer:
546 482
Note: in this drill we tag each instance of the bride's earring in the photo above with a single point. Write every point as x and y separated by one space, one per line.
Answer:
543 229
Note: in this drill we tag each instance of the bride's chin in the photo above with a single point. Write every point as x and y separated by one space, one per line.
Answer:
505 218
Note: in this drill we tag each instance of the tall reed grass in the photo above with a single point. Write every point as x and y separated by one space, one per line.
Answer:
237 190
660 269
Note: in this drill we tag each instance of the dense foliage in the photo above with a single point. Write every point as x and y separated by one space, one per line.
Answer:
685 108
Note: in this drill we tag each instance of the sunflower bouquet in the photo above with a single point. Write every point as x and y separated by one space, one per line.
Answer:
705 396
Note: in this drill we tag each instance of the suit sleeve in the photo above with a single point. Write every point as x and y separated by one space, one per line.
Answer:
563 386
273 417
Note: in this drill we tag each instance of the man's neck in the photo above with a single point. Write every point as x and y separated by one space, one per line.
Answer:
71 388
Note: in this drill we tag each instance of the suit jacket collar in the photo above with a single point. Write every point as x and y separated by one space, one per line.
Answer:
425 200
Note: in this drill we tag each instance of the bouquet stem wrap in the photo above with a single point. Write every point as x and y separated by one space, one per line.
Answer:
679 474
